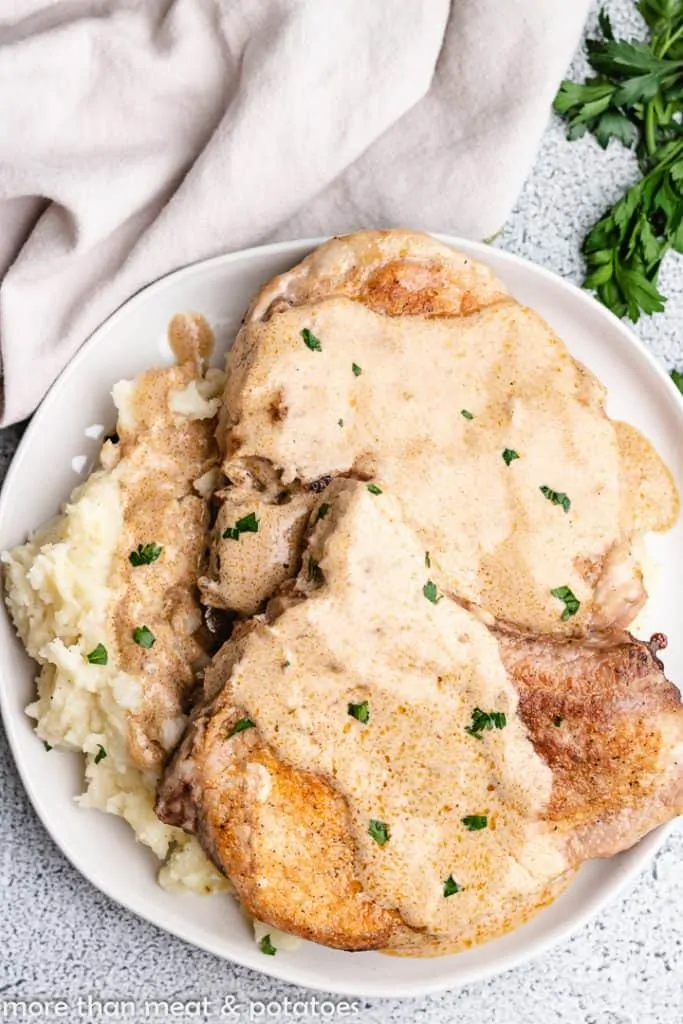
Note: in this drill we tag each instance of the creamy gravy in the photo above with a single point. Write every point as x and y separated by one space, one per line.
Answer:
429 417
246 573
367 632
191 339
158 458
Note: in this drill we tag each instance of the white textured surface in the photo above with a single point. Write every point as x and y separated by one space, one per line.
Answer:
62 939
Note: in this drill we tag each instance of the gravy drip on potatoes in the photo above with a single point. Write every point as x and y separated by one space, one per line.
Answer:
464 421
367 635
161 456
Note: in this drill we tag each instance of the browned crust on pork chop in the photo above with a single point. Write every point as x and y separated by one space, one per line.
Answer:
397 273
606 720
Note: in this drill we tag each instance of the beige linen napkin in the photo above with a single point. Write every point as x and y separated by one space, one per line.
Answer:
137 136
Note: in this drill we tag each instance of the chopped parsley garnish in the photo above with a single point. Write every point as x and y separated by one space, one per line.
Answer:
98 656
374 489
558 720
450 886
101 753
47 745
475 822
310 340
428 561
247 524
286 664
379 831
485 720
145 554
509 455
322 511
677 378
144 637
361 712
240 726
571 603
340 422
315 573
557 497
467 414
266 946
430 592
357 370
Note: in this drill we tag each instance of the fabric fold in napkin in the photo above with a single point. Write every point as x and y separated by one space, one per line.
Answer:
138 136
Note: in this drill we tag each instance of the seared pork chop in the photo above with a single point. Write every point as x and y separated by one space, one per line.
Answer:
374 768
361 362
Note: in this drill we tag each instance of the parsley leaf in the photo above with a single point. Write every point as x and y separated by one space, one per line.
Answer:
240 726
98 656
145 554
101 753
483 721
357 370
475 822
361 712
467 414
266 946
556 497
677 378
571 603
379 831
557 721
322 511
47 745
450 886
509 455
310 340
247 524
374 489
144 637
430 592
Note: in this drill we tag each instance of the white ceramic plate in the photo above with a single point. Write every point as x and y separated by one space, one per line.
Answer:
58 450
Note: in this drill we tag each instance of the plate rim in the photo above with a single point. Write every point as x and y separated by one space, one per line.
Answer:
623 875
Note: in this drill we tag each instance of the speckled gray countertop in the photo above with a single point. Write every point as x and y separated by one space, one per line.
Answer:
62 939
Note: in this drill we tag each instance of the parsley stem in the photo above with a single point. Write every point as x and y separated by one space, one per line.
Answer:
671 40
650 142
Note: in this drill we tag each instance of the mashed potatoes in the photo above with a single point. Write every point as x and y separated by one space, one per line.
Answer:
60 592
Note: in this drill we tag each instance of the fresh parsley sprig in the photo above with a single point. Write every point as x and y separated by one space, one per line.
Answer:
635 97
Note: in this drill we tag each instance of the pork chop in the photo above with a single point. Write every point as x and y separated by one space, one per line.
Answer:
374 768
362 363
